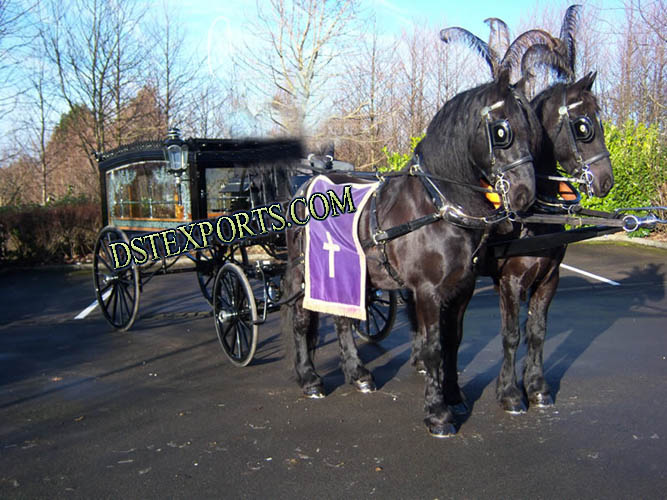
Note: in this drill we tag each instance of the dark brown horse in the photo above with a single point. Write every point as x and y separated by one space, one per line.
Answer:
484 133
573 137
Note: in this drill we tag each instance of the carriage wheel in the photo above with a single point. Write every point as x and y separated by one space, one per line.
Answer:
235 314
380 316
209 260
117 291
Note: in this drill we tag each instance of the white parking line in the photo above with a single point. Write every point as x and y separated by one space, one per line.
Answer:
590 275
92 306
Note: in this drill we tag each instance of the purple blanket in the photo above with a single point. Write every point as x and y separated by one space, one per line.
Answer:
335 261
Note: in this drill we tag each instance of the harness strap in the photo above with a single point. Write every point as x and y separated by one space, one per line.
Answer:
527 246
514 164
379 238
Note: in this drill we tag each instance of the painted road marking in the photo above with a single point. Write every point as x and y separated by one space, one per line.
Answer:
92 306
590 275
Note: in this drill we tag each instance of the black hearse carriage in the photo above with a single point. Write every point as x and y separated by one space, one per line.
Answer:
151 186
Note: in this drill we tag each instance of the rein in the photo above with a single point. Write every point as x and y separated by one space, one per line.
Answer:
599 224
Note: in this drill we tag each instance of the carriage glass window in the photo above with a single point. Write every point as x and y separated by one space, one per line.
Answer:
144 194
227 190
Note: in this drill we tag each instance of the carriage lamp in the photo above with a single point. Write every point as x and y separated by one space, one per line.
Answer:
176 155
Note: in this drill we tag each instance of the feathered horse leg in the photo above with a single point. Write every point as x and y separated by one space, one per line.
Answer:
354 370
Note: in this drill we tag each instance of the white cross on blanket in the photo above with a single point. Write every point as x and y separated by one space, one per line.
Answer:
332 248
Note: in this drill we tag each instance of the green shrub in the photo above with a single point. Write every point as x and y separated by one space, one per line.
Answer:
396 161
640 169
637 158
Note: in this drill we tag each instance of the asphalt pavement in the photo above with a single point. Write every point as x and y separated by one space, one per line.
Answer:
157 412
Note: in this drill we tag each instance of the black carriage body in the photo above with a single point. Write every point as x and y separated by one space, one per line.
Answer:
140 194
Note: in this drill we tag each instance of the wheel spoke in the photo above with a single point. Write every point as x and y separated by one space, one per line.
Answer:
123 306
240 294
238 344
128 295
377 311
375 322
109 298
225 333
235 341
106 249
115 302
245 342
104 261
104 288
229 295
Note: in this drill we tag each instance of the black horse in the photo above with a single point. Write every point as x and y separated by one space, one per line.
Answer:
573 137
484 133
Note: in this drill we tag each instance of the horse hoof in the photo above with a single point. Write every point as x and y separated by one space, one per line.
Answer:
420 367
365 386
316 392
514 407
541 400
442 430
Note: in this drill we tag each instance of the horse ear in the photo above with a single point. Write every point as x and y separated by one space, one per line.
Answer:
586 83
503 80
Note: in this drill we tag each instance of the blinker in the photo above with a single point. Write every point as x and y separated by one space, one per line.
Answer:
583 129
501 134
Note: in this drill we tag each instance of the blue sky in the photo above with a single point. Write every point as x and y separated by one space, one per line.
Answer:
220 25
393 15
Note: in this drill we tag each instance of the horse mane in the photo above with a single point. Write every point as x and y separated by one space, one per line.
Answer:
445 150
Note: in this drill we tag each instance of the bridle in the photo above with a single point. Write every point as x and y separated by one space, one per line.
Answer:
499 135
580 129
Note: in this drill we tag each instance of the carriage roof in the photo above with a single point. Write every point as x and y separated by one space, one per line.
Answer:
207 153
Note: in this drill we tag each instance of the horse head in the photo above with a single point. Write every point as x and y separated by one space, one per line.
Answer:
573 132
502 143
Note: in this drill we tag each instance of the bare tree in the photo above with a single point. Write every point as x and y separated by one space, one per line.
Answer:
173 70
127 65
39 129
90 48
364 105
15 37
297 42
642 67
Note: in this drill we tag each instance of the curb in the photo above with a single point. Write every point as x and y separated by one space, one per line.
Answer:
624 238
88 266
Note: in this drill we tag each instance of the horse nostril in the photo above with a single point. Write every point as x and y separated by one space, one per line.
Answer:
607 185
